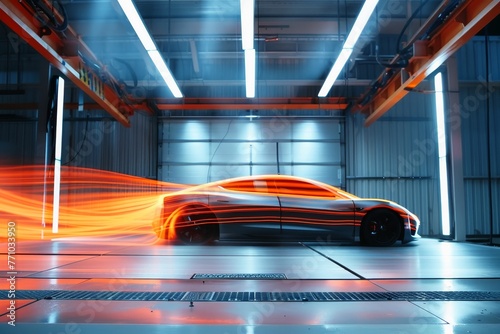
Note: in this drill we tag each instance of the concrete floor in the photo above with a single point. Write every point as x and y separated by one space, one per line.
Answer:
138 264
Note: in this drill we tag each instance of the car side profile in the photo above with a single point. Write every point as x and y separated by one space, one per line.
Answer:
281 207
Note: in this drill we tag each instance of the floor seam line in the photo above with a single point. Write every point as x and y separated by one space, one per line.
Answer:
334 261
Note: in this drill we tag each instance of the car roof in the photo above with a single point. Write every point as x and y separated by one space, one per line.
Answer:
272 177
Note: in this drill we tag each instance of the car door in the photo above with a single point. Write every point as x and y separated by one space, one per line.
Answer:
310 212
246 208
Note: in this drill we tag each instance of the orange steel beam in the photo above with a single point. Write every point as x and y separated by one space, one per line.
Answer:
215 104
253 104
53 48
466 21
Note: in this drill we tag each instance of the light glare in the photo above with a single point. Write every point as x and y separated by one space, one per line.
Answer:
335 71
165 72
442 154
360 23
135 20
352 38
250 72
247 23
57 161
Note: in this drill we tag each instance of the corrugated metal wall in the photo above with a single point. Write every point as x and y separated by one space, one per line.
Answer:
18 137
479 104
96 142
396 159
195 151
102 143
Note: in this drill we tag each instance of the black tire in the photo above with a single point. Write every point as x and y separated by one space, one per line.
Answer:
380 228
192 227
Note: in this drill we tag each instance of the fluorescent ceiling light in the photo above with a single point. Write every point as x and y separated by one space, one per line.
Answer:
247 9
135 20
352 39
335 71
165 72
250 72
360 23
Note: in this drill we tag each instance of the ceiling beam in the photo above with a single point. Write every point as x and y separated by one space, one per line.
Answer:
254 104
62 54
465 22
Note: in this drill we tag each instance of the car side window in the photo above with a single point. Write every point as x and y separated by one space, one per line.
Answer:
247 186
260 186
300 188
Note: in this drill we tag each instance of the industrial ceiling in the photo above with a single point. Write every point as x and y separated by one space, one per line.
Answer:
296 43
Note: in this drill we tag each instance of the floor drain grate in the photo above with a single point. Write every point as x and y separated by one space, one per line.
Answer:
253 296
239 276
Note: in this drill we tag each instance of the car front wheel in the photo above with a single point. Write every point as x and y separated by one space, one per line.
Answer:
380 228
194 226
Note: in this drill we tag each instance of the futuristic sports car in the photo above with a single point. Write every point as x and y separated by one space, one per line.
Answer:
281 207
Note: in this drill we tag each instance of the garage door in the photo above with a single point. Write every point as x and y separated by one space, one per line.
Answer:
195 151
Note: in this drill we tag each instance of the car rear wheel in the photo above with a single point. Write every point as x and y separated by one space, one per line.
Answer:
380 228
194 226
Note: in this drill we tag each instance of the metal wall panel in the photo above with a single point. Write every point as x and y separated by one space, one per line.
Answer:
472 61
195 151
396 159
481 150
18 137
103 143
481 155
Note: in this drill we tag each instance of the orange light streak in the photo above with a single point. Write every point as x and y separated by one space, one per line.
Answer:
93 202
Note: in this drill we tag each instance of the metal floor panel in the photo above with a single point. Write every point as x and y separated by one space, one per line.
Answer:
26 265
100 284
423 259
225 248
420 277
99 328
312 266
254 296
452 284
222 313
76 246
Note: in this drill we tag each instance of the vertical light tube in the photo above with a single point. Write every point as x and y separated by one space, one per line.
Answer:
247 13
442 155
58 150
250 72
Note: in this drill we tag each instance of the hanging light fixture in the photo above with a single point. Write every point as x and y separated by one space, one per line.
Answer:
347 48
247 8
140 29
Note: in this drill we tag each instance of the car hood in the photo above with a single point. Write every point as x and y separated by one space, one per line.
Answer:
372 203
